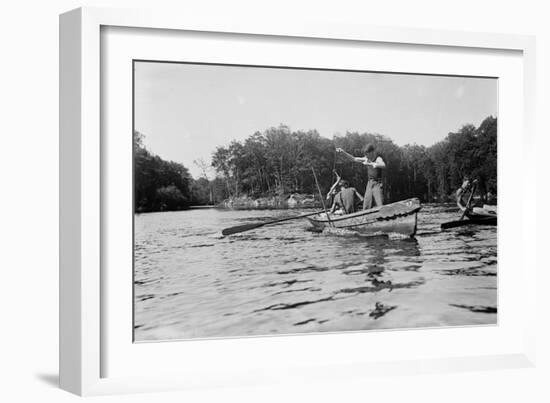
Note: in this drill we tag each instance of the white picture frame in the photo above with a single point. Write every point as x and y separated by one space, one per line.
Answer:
83 173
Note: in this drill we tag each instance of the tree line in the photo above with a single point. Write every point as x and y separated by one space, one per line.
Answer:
161 185
279 161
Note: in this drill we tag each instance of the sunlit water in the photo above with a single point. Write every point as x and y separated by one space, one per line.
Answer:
191 282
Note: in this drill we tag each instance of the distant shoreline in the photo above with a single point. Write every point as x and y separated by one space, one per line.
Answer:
281 202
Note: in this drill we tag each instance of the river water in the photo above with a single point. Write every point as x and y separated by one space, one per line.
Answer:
191 282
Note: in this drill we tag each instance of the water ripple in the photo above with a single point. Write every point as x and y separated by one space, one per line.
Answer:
192 282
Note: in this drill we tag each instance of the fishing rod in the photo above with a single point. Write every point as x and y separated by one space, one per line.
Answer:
321 196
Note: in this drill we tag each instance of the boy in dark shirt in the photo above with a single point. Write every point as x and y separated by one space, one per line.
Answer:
374 194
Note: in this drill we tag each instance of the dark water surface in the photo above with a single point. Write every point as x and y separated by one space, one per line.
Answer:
192 282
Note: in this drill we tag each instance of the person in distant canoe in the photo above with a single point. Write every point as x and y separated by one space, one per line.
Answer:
462 192
345 199
374 194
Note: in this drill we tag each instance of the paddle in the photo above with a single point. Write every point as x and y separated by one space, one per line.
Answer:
247 227
469 202
461 221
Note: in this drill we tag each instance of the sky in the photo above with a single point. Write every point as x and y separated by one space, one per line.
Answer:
185 111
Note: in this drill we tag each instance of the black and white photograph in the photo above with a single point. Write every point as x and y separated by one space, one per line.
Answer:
277 200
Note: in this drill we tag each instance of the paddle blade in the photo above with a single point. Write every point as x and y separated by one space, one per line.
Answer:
240 228
453 224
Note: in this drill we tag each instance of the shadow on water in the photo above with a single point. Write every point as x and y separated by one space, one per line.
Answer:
466 232
403 246
309 268
378 285
287 283
277 307
380 310
473 272
310 289
379 250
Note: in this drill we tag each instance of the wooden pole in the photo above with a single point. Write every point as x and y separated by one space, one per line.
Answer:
248 227
469 202
321 196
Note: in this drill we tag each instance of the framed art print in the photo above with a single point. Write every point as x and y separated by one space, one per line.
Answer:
209 153
236 197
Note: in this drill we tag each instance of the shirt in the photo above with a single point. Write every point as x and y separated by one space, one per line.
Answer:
374 172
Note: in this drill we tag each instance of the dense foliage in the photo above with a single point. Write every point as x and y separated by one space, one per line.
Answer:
279 161
159 185
166 185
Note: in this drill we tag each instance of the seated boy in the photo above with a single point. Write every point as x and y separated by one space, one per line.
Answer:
345 199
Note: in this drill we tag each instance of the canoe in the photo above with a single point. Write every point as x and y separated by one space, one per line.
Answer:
473 218
486 215
481 216
395 218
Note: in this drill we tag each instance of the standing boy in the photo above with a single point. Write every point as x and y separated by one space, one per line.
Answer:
374 193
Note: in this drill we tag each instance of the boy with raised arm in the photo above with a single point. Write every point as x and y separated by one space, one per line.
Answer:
374 195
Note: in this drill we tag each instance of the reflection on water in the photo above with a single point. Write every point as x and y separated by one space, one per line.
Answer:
192 282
